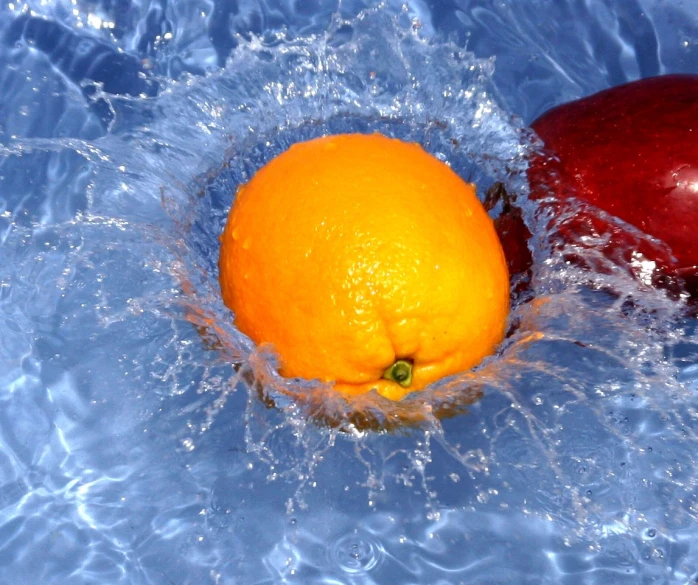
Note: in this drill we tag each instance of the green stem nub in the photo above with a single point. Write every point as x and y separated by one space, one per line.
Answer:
400 372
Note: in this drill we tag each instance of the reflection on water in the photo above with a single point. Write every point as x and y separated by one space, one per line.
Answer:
132 450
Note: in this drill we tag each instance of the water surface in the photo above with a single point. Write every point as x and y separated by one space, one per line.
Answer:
133 451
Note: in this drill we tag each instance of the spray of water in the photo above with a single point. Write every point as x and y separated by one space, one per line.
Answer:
580 403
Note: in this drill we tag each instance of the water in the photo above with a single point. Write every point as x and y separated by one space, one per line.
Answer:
131 449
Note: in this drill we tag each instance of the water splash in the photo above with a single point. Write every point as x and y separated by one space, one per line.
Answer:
574 444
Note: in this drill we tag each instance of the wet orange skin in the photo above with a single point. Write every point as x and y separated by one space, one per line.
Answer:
349 252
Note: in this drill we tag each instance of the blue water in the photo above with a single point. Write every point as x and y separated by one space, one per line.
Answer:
133 451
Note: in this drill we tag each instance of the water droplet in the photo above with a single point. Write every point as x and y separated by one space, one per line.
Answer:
650 533
356 553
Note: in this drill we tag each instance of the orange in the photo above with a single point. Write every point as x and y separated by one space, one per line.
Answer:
367 262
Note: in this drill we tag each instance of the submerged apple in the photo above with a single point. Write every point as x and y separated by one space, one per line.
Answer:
631 151
513 235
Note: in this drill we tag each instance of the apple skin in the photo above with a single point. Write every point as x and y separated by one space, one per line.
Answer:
514 236
631 151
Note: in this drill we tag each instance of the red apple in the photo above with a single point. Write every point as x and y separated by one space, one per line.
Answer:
514 235
631 151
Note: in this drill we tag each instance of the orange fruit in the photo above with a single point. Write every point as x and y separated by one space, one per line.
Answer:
367 262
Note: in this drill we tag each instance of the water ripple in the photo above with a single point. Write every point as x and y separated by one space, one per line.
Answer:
132 450
356 553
